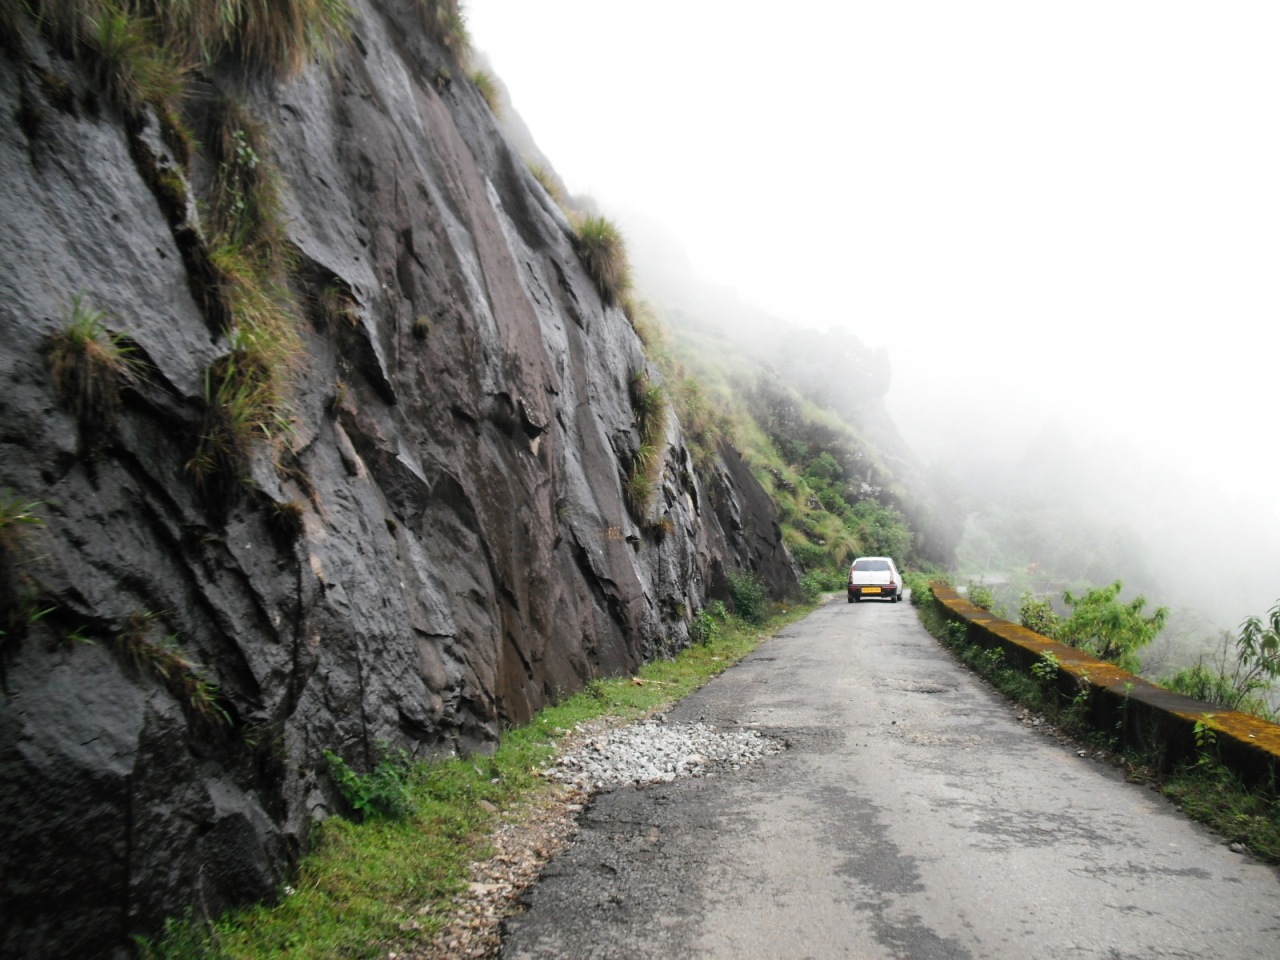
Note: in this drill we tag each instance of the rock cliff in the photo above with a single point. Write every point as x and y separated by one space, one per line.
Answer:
428 539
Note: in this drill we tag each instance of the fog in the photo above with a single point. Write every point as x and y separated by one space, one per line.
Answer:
1062 222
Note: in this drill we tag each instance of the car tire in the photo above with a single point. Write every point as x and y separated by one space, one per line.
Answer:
851 599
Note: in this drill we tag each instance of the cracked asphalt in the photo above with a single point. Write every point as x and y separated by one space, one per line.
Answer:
912 816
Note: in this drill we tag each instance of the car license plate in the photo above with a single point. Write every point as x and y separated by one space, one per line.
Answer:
870 589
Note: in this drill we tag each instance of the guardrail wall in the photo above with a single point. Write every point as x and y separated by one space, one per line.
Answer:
1143 715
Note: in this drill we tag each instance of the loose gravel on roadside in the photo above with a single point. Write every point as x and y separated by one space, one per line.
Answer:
602 754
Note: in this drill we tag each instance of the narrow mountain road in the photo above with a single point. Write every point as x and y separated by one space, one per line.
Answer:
913 816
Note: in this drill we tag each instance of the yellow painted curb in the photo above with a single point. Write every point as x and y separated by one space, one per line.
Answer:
1143 714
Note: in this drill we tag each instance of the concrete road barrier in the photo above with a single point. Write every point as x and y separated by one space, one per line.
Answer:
1141 714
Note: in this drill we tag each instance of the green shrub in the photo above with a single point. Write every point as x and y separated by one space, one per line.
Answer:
240 406
245 210
980 595
1211 793
603 253
649 407
811 586
1108 629
246 390
649 404
141 53
1036 614
823 580
386 791
1238 679
638 492
917 581
750 601
704 627
808 555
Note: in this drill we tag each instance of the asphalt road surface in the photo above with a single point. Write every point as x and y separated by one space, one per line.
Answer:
913 815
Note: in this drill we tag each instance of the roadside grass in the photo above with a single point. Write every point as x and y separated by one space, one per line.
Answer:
1204 789
1209 792
371 884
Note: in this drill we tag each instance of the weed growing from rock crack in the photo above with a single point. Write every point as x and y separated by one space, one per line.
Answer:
165 661
88 364
245 390
19 519
648 404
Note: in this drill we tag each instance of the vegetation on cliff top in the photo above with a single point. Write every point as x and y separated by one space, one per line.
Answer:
835 497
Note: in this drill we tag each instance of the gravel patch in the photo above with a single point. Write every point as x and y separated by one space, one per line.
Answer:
594 756
656 751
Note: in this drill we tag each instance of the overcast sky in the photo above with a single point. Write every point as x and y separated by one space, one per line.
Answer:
1039 209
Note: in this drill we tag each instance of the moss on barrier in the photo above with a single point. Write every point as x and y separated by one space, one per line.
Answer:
1168 726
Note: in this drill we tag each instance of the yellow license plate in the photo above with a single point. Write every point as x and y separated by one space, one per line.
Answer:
870 589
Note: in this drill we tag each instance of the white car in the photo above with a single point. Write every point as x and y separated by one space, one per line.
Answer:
875 577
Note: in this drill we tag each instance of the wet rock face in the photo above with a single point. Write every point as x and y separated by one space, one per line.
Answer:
436 547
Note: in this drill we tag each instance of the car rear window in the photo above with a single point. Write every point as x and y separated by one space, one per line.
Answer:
871 565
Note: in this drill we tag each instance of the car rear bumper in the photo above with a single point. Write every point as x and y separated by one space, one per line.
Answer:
873 593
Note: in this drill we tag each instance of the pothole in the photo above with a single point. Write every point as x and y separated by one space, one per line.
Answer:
916 686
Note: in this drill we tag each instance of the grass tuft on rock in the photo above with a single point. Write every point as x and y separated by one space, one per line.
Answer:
487 86
447 25
603 252
131 67
547 180
88 364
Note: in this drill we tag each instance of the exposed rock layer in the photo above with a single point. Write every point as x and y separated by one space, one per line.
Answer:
438 546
